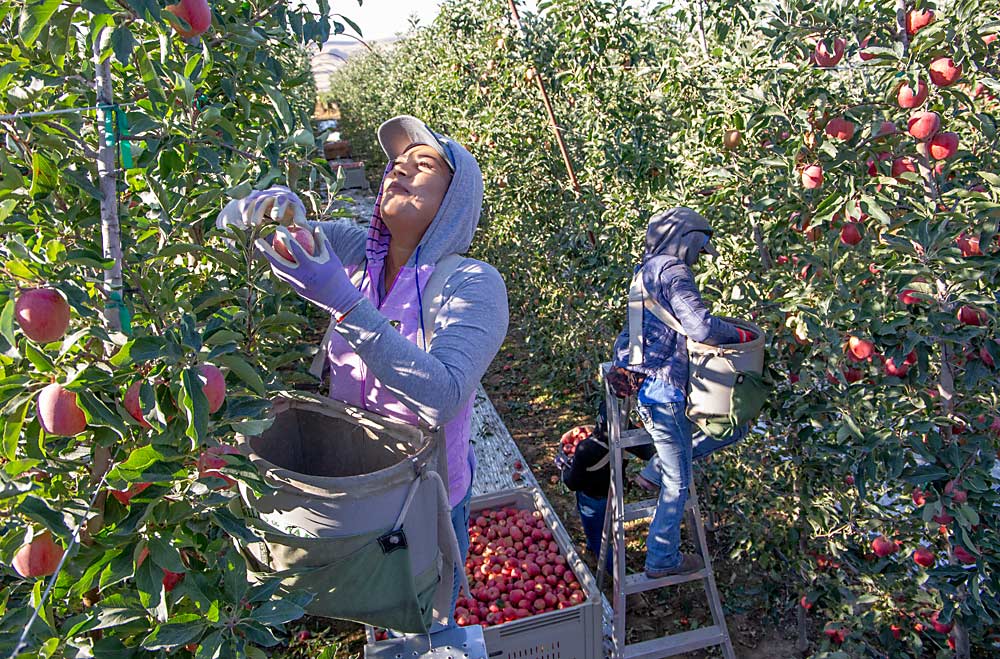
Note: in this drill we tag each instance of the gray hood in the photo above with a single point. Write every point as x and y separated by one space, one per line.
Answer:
451 230
679 232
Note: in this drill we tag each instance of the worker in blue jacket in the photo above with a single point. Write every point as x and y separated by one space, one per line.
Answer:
674 241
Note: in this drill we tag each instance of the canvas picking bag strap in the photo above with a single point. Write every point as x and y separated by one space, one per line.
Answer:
715 371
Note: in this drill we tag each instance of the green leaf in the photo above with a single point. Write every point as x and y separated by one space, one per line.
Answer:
277 612
38 510
192 400
44 175
139 351
98 414
243 371
37 358
7 328
12 430
34 17
141 459
281 107
116 617
173 635
209 647
165 555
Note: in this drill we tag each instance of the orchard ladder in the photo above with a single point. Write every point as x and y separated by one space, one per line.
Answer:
618 514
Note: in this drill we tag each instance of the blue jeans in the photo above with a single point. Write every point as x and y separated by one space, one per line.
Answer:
592 518
670 468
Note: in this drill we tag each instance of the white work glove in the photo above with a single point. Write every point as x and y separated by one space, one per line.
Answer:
277 204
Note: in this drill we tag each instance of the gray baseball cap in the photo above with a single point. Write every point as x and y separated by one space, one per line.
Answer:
400 133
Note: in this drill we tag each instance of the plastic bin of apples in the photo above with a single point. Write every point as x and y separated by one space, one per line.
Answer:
530 590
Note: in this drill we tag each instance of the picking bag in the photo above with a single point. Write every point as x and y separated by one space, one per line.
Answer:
359 516
721 379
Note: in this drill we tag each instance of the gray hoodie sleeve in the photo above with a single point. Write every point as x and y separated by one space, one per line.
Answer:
346 237
469 330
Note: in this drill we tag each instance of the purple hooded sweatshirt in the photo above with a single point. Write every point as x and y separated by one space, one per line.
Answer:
374 360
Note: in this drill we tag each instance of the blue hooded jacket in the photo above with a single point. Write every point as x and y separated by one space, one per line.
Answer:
674 240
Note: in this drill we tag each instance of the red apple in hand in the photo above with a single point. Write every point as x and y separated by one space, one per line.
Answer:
196 13
302 235
43 314
213 385
38 558
924 557
58 411
908 99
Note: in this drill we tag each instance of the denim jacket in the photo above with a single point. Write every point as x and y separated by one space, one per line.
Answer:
665 358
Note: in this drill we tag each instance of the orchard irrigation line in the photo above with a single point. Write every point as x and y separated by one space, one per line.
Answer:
46 113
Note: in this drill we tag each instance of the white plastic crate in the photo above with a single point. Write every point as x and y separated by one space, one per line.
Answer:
570 633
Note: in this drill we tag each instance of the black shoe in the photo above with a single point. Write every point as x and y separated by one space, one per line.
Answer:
689 563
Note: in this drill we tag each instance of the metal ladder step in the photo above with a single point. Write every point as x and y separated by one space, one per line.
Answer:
638 582
668 646
635 437
647 507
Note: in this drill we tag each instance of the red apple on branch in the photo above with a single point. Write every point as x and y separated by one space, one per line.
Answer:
213 385
943 146
908 98
133 405
38 558
944 72
196 13
840 128
812 177
43 314
58 411
850 233
860 348
824 57
924 557
882 546
968 315
924 125
210 462
917 20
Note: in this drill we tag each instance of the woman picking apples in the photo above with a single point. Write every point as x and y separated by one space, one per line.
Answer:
377 355
674 241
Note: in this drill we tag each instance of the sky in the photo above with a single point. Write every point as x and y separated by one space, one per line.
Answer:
380 19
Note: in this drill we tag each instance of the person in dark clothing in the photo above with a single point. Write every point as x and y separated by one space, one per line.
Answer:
588 474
